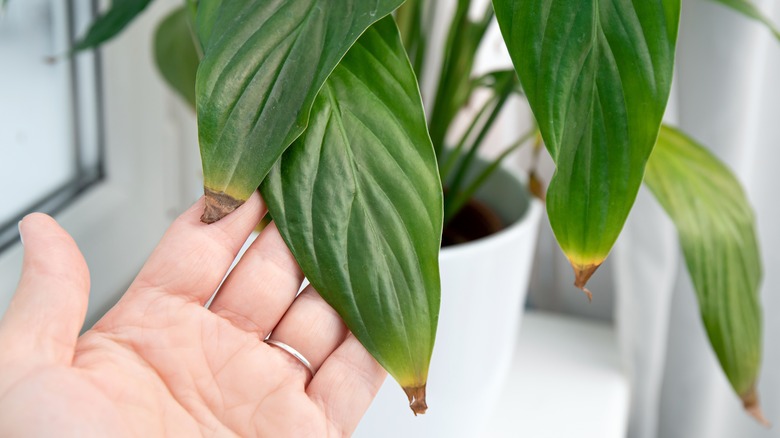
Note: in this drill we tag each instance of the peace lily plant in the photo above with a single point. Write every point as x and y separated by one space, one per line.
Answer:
316 103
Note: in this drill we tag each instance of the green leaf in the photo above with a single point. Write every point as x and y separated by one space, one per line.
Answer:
175 53
264 63
718 235
597 75
358 200
748 9
108 25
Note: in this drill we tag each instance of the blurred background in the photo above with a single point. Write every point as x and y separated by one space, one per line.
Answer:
100 142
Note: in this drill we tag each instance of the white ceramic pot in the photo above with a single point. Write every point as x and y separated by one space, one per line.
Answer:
484 284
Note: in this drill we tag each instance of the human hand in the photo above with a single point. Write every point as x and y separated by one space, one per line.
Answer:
161 364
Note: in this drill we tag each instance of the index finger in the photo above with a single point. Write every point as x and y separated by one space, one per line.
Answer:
192 258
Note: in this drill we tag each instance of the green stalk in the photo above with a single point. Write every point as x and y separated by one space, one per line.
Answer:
453 156
461 198
454 87
441 114
465 163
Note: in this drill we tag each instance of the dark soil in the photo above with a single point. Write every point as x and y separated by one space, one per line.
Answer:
475 221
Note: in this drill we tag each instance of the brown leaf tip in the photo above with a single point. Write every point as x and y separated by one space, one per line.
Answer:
581 276
753 407
218 205
416 397
588 294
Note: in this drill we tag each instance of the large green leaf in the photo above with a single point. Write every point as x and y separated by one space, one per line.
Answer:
264 63
597 74
718 236
108 25
175 53
748 9
358 200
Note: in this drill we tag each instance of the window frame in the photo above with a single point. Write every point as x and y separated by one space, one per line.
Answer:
150 170
85 177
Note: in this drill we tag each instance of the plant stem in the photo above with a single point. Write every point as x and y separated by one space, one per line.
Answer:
466 161
455 153
454 87
441 116
460 199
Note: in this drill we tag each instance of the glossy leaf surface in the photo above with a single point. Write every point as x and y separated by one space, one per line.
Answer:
109 24
597 75
718 235
175 53
748 9
264 62
358 200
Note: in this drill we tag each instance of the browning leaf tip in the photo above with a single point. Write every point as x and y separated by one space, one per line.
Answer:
416 397
581 276
753 407
218 205
588 294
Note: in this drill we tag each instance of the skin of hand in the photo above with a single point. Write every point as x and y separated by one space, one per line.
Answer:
159 363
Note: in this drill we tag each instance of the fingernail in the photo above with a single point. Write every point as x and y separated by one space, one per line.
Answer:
21 238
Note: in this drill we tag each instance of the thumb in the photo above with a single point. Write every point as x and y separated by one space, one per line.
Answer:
48 309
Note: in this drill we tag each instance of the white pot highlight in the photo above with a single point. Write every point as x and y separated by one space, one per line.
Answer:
484 284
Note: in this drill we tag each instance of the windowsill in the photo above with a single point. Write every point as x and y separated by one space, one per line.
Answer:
566 380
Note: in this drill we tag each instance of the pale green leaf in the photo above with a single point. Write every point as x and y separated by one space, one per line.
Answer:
748 9
718 235
358 200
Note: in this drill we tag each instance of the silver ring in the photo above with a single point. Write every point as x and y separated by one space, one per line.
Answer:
292 352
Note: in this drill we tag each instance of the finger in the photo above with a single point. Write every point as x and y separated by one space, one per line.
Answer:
346 384
48 309
192 258
261 287
311 327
